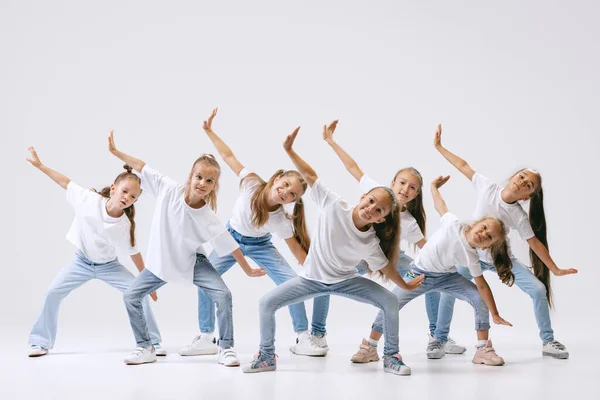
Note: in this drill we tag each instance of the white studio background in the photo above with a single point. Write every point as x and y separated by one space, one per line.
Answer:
514 84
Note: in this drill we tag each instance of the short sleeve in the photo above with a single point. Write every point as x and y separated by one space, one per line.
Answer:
448 219
413 231
77 195
322 195
223 244
285 229
367 183
154 182
523 226
481 183
248 184
376 259
475 268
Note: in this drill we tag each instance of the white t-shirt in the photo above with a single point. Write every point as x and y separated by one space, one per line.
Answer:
490 203
409 228
95 233
241 219
179 231
448 247
338 246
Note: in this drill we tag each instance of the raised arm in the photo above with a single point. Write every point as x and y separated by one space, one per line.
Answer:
542 252
224 150
349 163
488 298
438 200
135 163
309 174
455 160
57 177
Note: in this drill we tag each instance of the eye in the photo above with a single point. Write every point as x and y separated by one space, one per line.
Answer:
210 181
371 201
489 237
379 211
293 195
287 184
485 228
198 177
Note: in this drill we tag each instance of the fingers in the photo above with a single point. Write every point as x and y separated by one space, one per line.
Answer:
438 132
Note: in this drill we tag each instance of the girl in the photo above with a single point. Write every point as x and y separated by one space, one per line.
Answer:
407 186
502 203
457 243
258 212
344 236
183 221
103 222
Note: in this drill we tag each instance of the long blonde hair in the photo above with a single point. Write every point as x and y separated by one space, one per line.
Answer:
260 208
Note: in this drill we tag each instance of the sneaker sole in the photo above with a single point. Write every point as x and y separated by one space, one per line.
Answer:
199 353
139 363
435 356
320 354
459 351
393 371
161 354
266 369
554 355
34 355
365 361
235 364
485 362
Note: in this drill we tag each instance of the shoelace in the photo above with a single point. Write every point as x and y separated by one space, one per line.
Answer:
229 353
435 345
138 351
557 345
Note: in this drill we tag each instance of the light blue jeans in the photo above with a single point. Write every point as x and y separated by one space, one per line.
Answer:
300 289
205 277
262 251
451 283
432 298
524 279
71 277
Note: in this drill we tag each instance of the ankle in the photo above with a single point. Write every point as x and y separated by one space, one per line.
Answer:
373 342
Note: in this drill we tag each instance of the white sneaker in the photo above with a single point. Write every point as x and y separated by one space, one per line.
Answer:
228 357
37 351
307 346
202 345
159 351
141 355
555 349
320 341
451 347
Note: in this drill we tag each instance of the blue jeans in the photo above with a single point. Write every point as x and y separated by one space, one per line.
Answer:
432 298
300 289
525 280
262 251
451 283
71 277
205 277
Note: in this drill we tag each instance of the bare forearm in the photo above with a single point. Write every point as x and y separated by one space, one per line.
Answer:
458 162
138 261
349 163
239 257
488 297
392 274
296 249
225 152
57 177
309 174
438 201
542 252
135 163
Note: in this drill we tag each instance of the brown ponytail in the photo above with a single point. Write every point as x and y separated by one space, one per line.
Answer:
537 219
129 211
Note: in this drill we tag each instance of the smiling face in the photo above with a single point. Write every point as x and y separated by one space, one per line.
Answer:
374 206
203 180
484 233
406 186
286 188
523 184
125 192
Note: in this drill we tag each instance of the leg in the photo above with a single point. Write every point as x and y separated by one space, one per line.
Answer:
119 277
206 306
71 277
142 286
446 309
210 282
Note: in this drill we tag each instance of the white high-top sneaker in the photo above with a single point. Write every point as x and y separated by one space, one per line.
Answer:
141 355
228 358
202 345
306 346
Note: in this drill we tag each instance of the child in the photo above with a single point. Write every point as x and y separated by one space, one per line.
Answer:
503 203
103 222
344 235
407 185
183 221
457 243
257 213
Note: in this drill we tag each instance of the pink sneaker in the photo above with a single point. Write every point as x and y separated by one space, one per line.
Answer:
487 355
365 354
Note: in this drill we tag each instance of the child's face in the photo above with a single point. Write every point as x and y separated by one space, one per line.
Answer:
374 206
125 193
523 184
406 187
286 189
484 233
203 180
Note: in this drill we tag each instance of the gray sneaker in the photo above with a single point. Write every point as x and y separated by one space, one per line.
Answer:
435 349
555 349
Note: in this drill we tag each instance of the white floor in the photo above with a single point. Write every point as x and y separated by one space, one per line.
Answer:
87 371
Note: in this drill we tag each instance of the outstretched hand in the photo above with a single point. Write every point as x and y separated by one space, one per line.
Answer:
329 130
207 125
415 282
563 272
498 320
289 140
111 142
34 160
439 181
437 140
256 272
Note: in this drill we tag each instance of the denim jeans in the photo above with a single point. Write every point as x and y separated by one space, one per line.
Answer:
73 276
452 283
525 280
300 289
432 298
205 277
262 251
